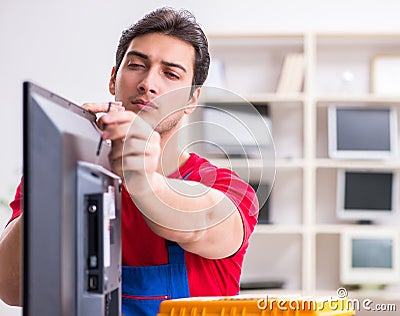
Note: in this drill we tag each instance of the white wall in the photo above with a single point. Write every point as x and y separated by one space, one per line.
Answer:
69 46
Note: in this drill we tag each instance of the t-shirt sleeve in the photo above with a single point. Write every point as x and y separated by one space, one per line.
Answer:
242 195
16 204
237 190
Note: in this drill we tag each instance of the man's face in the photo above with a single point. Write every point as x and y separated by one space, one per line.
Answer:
153 65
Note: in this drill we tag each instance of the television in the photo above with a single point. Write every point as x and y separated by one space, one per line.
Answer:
362 132
71 233
366 195
369 257
262 190
236 130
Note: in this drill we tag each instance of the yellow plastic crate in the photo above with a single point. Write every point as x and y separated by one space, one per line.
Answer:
252 305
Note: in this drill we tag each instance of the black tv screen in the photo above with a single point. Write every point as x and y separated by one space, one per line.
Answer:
363 129
366 195
362 133
368 191
262 191
372 253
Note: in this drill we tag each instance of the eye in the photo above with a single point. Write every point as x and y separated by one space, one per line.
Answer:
171 75
134 65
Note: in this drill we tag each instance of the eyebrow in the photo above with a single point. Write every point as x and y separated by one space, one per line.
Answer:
146 57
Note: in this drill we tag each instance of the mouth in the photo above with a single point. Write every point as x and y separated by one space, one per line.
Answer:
144 105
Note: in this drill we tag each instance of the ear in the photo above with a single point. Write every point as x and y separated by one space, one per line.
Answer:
191 105
111 84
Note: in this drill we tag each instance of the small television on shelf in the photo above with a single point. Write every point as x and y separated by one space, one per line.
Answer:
236 130
369 257
362 132
262 190
366 195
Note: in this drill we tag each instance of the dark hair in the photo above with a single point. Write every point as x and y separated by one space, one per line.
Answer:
180 24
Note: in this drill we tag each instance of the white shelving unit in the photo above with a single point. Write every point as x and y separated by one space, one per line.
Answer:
302 245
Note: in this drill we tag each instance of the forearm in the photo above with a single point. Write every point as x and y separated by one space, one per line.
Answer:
201 219
10 263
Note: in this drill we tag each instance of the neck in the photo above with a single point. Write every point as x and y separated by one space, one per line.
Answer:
172 157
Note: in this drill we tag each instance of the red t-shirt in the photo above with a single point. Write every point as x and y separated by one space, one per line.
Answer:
142 247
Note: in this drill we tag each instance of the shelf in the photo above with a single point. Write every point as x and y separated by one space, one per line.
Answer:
326 100
375 39
271 292
386 295
357 164
240 163
270 98
343 61
322 229
261 39
237 163
289 163
262 262
267 229
250 64
302 245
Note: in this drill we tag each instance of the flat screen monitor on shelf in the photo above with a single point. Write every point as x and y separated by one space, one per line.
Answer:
263 190
362 133
369 257
236 130
366 195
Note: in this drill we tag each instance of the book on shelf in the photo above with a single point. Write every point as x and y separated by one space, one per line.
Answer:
292 74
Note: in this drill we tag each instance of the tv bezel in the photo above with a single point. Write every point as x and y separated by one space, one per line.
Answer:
336 153
368 276
364 215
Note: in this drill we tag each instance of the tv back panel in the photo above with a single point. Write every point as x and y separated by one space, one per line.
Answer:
72 247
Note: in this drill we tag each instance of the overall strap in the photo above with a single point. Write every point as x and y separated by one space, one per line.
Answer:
176 255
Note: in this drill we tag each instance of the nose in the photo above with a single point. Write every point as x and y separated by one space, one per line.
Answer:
148 83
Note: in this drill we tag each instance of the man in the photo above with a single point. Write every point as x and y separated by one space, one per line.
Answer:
185 223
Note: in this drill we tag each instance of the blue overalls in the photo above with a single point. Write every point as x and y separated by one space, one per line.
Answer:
143 288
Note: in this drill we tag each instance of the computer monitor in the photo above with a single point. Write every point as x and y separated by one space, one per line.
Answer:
366 195
369 257
263 190
362 133
71 236
236 130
